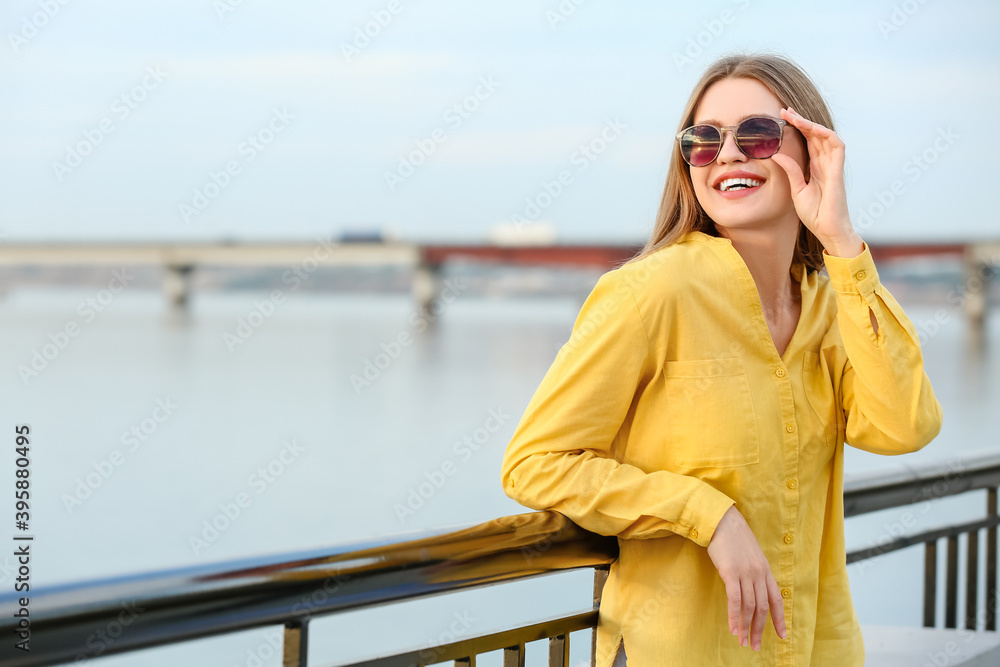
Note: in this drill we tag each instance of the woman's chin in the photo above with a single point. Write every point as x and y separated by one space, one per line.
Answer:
756 220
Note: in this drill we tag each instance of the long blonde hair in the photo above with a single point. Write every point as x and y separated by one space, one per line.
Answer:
680 211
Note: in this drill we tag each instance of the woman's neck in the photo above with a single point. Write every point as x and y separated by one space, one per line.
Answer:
768 256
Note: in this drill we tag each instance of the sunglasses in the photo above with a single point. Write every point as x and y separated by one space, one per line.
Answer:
758 138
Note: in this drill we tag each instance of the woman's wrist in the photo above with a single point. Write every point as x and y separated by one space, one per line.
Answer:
849 244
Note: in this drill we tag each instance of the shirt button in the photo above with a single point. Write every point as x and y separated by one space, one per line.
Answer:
694 534
785 593
788 538
780 372
510 482
860 275
792 483
790 427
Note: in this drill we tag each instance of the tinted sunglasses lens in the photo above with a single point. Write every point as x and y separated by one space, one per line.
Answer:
699 145
759 137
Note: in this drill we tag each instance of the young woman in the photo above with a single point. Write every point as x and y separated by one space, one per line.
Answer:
700 408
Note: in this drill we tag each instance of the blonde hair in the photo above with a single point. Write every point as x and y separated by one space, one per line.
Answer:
680 211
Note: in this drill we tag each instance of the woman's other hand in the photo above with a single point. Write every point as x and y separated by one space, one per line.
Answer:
751 588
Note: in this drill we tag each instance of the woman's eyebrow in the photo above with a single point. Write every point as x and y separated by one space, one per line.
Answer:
712 121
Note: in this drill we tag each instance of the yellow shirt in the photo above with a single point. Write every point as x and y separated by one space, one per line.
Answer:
669 403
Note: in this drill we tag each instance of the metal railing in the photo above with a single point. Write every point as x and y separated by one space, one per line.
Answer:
873 492
128 613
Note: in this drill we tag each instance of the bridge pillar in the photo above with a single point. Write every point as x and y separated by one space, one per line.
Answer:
978 273
177 284
426 284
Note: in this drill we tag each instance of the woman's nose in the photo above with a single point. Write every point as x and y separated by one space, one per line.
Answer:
730 152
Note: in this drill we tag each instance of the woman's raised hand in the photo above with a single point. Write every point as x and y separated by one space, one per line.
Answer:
821 203
750 586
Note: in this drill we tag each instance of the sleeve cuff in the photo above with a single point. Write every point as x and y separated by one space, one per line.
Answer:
711 506
852 274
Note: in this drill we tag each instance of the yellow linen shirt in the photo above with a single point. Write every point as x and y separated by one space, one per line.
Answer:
669 403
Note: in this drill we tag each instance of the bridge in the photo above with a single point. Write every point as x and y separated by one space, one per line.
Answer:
178 260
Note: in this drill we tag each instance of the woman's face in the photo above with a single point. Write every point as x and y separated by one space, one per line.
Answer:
769 206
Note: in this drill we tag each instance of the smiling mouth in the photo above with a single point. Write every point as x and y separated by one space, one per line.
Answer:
736 184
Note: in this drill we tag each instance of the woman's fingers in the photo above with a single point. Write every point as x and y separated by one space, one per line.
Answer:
760 612
819 138
735 597
777 606
747 609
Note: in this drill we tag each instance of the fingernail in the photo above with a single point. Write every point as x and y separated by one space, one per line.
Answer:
756 647
744 642
734 632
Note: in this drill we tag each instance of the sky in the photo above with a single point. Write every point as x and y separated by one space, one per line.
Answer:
235 120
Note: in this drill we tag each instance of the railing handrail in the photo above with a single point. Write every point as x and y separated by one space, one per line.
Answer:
872 491
188 603
181 604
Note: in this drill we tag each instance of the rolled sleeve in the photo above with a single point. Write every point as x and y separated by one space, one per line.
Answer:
888 402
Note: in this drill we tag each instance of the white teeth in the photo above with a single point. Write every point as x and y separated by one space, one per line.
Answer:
731 182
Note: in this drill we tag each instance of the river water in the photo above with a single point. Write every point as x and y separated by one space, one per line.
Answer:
146 424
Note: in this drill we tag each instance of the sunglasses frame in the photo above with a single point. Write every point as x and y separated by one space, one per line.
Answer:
734 129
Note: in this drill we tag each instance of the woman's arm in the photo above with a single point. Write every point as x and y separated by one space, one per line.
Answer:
886 395
560 455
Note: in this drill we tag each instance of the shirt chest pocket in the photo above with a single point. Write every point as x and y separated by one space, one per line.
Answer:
711 421
820 395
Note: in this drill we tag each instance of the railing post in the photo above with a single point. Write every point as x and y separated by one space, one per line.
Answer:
513 656
991 562
930 582
559 651
295 648
951 584
971 579
600 576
